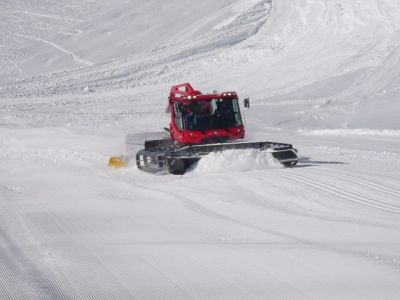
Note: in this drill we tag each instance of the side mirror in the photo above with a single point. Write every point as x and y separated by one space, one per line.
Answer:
246 102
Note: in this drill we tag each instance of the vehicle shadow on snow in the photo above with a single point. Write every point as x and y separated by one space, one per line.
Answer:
305 162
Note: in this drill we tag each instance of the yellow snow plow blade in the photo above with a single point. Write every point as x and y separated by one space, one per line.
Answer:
117 162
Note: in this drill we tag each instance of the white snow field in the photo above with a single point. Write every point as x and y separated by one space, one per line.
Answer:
77 76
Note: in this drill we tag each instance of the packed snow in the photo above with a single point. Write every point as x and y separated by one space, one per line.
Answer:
80 78
357 131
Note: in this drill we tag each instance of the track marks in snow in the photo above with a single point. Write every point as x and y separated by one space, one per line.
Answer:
341 192
21 275
352 132
84 272
222 213
167 64
73 55
366 183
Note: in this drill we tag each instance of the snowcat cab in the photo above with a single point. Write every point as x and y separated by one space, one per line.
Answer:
201 119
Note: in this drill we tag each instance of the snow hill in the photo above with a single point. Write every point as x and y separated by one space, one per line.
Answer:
77 76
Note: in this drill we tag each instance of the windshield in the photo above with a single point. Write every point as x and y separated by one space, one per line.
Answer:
211 114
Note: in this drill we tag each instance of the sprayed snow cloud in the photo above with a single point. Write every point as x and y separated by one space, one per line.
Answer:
236 160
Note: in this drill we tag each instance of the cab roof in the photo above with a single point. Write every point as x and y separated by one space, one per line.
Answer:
186 93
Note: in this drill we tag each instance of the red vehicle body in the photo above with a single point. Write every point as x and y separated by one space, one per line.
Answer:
199 119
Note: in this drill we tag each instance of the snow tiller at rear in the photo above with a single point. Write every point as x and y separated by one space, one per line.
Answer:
201 124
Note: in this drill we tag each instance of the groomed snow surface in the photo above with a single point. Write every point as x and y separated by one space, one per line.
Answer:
78 76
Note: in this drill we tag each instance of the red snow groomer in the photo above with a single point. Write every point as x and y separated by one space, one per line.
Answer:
201 124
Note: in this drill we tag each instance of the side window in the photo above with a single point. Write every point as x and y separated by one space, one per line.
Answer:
236 109
213 106
178 115
177 109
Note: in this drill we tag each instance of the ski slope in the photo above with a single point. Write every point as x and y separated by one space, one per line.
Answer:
78 76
